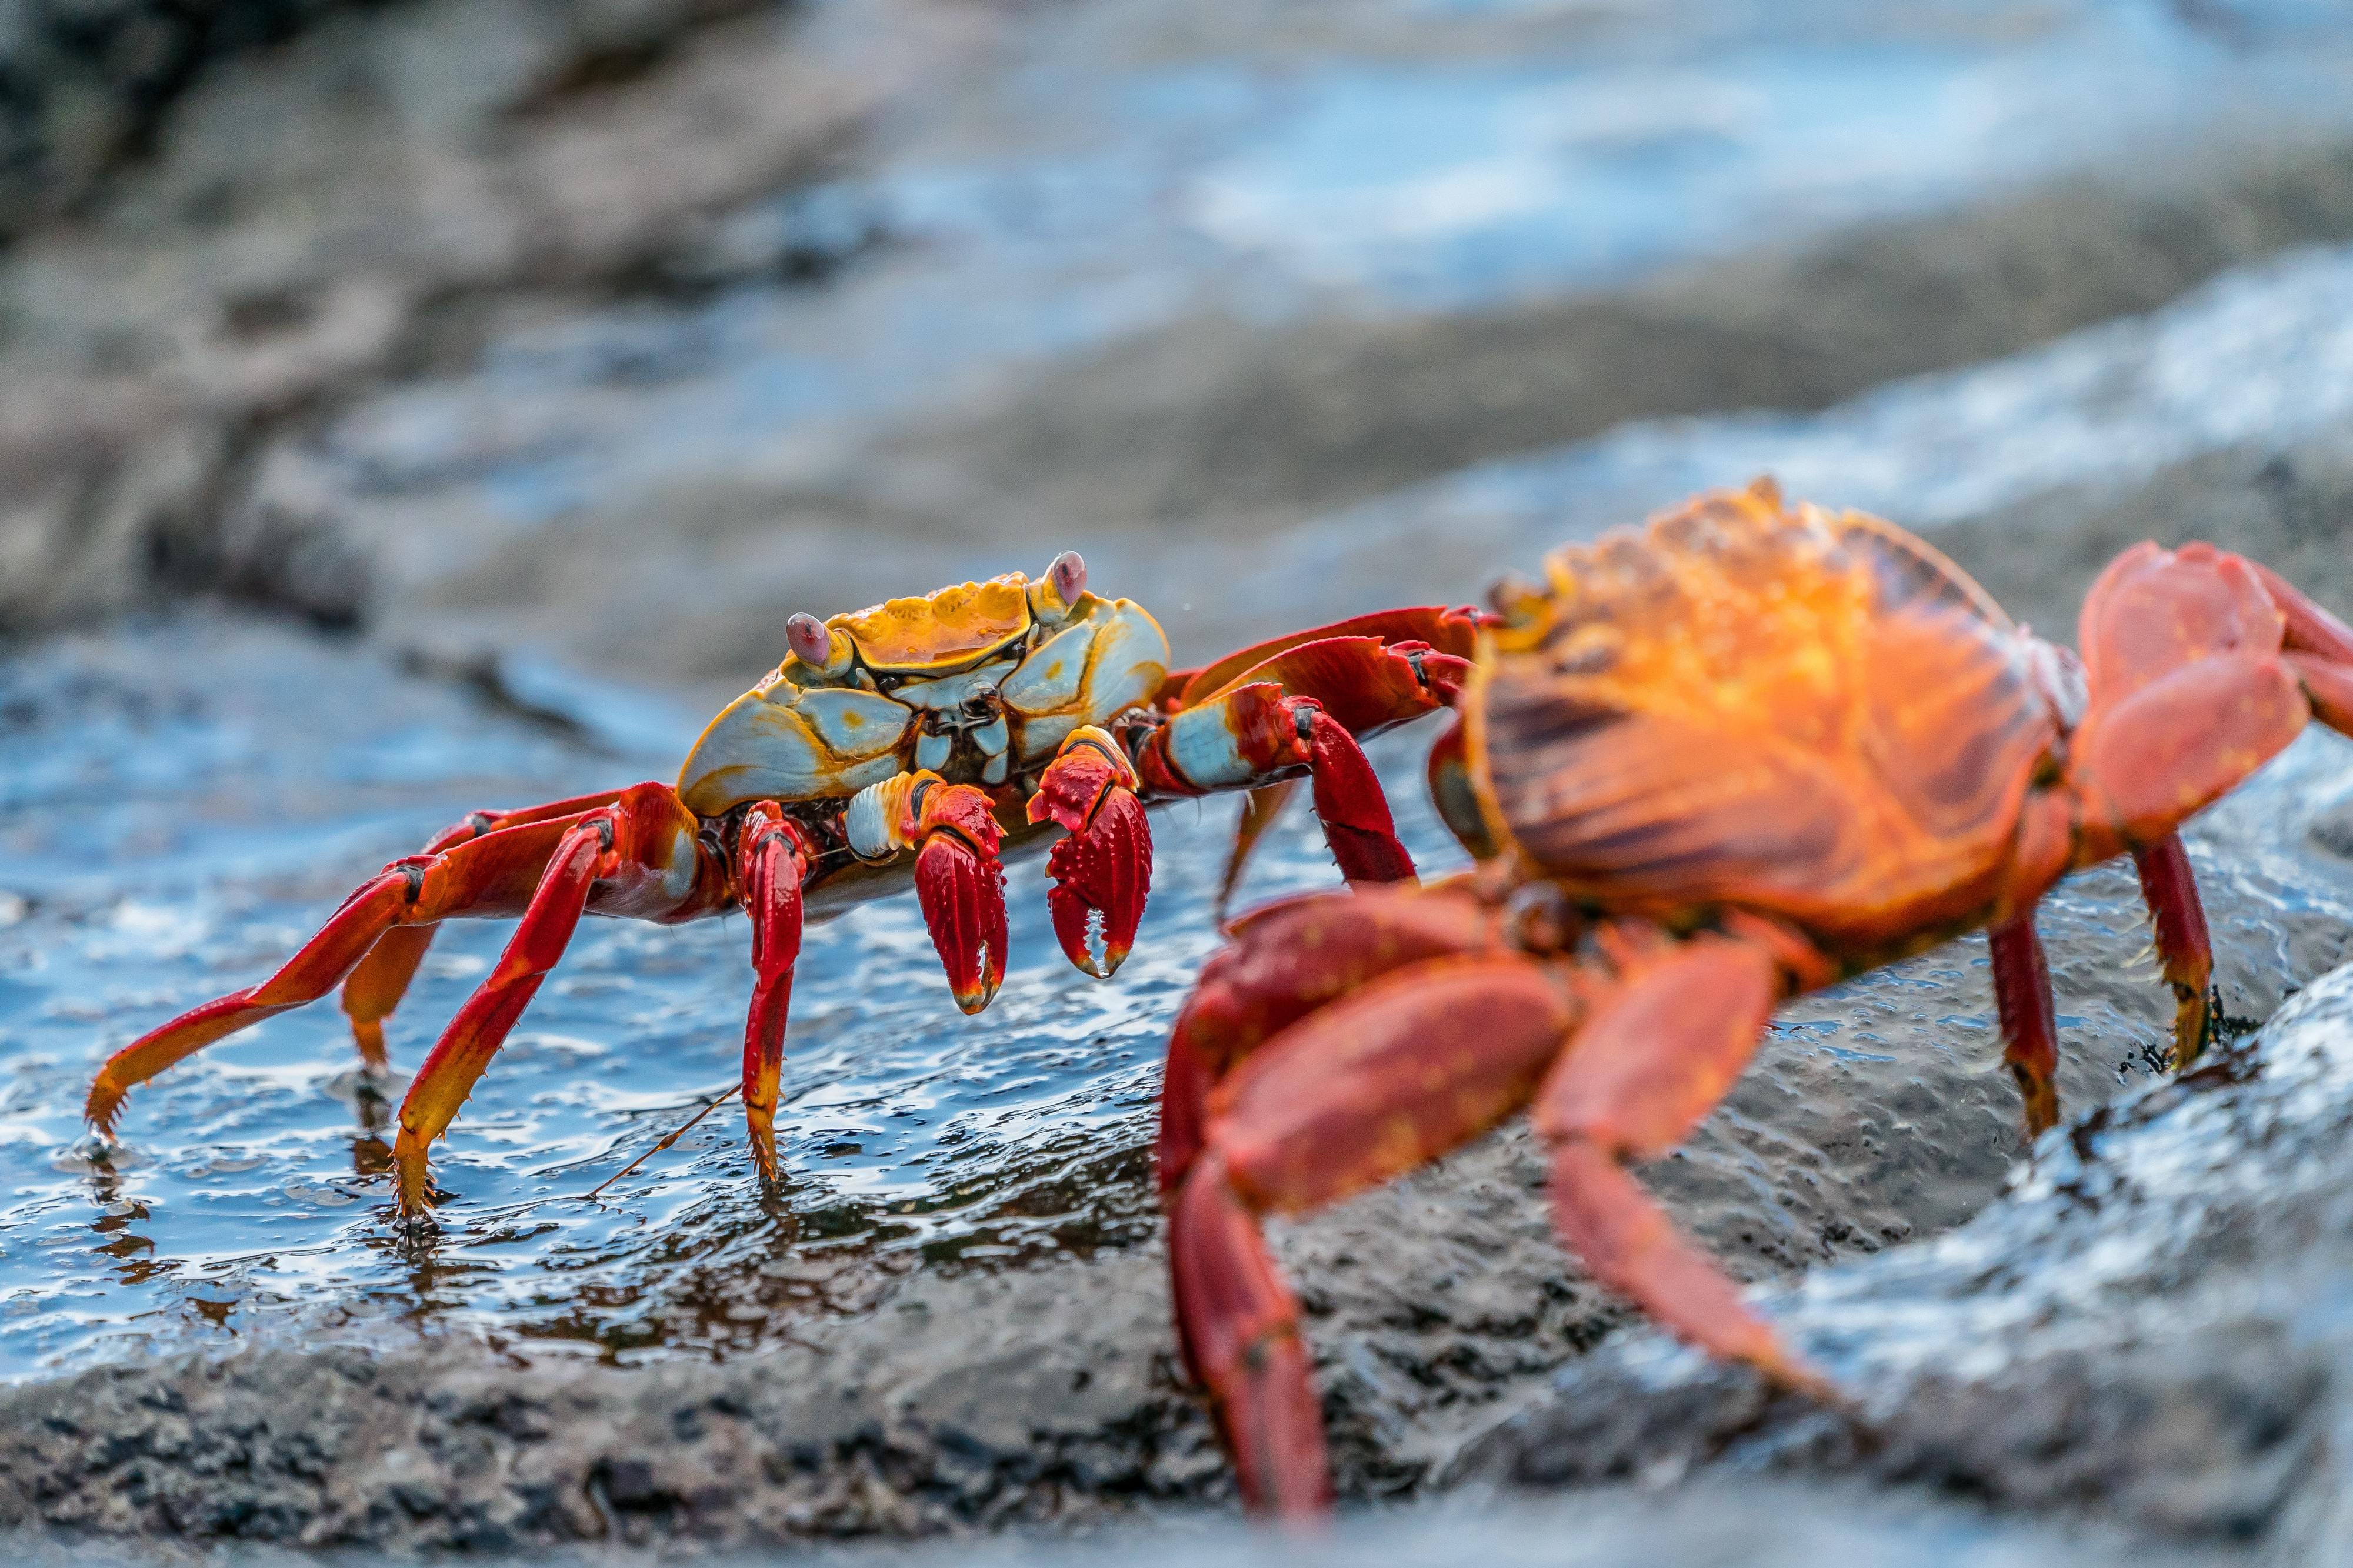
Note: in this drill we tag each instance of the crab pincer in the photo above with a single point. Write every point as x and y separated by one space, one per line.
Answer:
1103 872
961 886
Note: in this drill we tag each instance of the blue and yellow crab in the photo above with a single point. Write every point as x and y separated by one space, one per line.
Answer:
915 737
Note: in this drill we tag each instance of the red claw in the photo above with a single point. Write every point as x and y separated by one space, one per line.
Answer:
962 890
1104 868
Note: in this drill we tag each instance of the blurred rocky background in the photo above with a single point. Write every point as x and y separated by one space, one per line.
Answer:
410 406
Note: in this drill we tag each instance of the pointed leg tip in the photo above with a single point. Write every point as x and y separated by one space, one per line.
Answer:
764 1154
368 1035
101 1110
411 1193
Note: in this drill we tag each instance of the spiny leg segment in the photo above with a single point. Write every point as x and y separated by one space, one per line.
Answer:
492 875
375 987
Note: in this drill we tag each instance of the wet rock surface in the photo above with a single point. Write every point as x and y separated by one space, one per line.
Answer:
2148 1322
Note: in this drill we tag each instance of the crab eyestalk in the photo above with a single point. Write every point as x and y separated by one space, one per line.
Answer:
817 646
1103 872
1055 594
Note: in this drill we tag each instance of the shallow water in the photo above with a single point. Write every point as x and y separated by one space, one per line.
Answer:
181 805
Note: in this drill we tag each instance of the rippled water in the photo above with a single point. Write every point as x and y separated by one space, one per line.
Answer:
178 808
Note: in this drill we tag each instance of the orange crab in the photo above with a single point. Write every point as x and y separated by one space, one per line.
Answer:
915 738
1706 767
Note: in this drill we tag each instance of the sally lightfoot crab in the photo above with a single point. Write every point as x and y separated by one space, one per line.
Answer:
1708 767
917 738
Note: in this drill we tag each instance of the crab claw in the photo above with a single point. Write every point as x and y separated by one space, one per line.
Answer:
1103 872
961 887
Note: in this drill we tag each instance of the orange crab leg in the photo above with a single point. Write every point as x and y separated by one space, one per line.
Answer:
2183 947
1654 1059
493 875
375 987
1418 1062
1260 807
771 861
635 844
1104 868
2030 1026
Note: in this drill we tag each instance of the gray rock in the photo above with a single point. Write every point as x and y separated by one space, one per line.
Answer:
2147 1324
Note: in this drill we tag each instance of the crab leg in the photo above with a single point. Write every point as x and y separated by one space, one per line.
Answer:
493 875
374 988
2183 946
772 860
2030 1026
1254 735
1260 809
636 841
1366 675
1285 960
1653 1060
1418 1062
1104 868
1452 632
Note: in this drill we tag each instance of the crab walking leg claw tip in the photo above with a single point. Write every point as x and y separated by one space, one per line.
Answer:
961 886
1101 873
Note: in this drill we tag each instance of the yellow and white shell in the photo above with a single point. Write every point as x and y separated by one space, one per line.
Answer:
984 679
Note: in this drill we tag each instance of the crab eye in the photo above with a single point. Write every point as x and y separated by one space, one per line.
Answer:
1069 574
810 642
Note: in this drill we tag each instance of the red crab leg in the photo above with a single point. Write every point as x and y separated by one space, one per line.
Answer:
1285 960
374 988
1452 632
961 886
493 875
1104 868
1261 806
1418 1062
2030 1028
1653 1060
772 860
1254 735
1366 675
2183 947
634 842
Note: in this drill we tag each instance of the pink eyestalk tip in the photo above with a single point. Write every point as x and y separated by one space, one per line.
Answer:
1069 574
806 635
